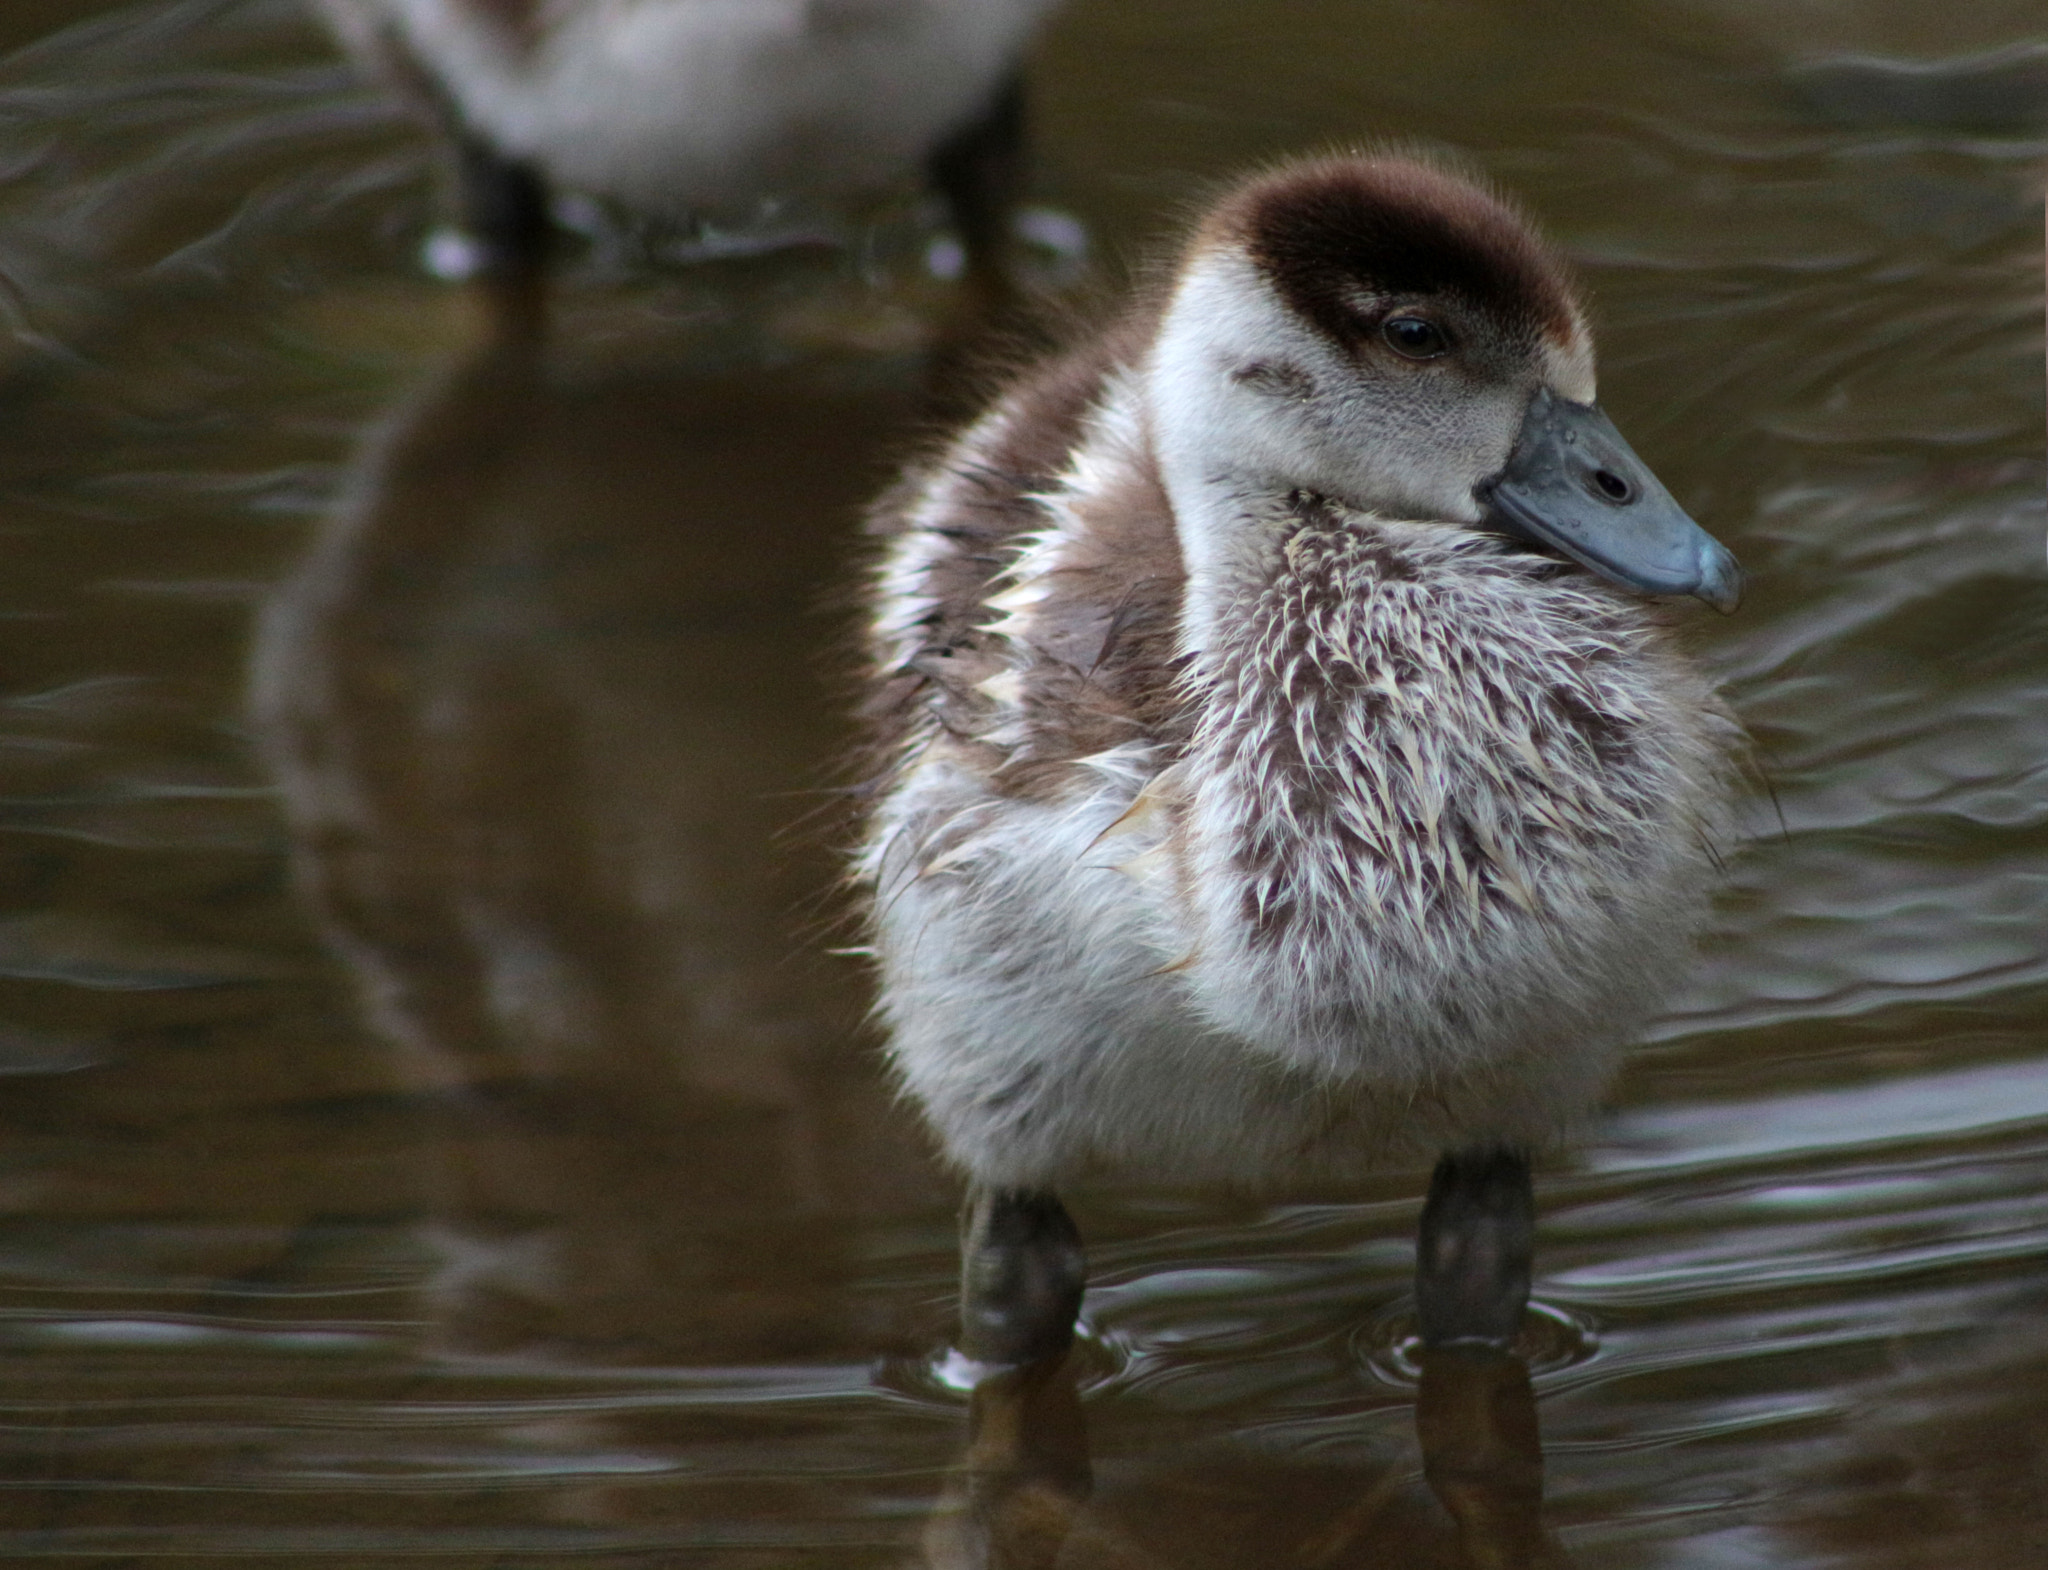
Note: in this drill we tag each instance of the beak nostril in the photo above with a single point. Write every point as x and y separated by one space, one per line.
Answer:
1612 486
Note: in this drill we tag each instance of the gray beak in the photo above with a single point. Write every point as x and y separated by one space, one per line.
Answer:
1574 484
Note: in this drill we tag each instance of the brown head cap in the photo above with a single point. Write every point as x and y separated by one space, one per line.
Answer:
1327 230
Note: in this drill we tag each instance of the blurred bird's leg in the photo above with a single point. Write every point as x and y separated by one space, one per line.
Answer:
1474 1251
501 241
1483 1456
502 206
1021 1275
979 170
501 229
1012 1503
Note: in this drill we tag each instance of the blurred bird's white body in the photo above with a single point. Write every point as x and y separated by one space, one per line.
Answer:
702 105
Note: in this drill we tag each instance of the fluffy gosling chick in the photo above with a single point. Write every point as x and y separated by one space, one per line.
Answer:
1285 774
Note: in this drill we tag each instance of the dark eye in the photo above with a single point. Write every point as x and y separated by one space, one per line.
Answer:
1415 337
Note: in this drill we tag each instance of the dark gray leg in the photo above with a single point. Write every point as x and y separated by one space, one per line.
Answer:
1473 1254
1021 1274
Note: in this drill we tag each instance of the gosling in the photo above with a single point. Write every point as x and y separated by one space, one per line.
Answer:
1285 772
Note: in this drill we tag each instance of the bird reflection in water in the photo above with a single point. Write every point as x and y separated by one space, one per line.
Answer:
1023 1497
543 698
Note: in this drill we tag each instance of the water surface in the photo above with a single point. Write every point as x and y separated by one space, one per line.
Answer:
437 1126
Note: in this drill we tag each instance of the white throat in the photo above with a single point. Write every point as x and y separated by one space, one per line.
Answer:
1227 455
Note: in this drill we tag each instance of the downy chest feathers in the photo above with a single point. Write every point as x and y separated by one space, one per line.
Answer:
1444 802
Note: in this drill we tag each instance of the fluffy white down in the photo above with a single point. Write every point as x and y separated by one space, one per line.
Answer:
1438 845
702 105
1446 807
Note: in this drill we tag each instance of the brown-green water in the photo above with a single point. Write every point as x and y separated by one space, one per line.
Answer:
433 1126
